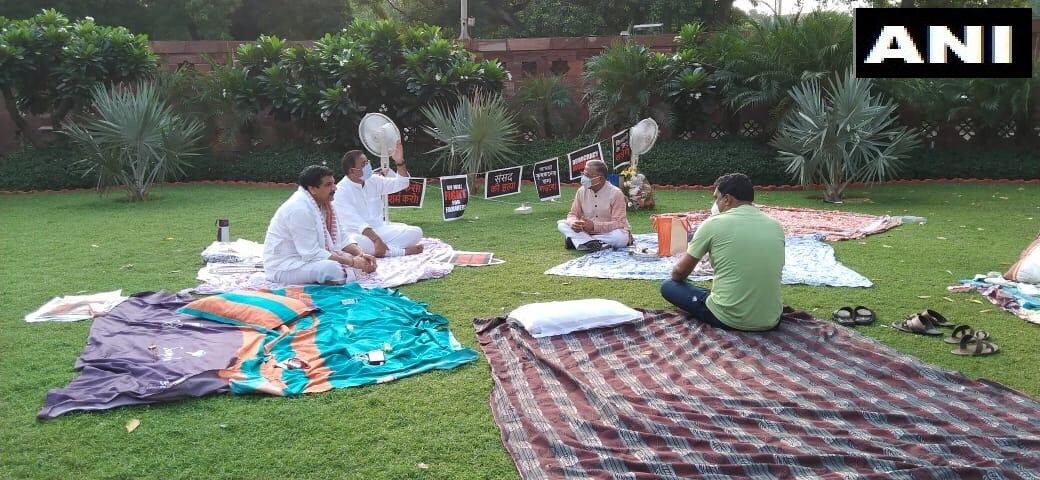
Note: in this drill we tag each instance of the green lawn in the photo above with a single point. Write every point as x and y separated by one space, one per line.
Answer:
57 244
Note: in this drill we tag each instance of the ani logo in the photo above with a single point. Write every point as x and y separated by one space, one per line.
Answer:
943 42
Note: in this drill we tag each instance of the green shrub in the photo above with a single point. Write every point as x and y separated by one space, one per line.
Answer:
974 161
49 65
42 168
282 163
371 66
671 162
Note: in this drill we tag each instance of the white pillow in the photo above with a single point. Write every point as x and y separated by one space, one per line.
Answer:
1027 269
557 318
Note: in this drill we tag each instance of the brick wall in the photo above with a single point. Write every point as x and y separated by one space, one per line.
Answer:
554 56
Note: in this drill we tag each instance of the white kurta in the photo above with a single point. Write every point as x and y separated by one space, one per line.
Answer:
361 206
293 239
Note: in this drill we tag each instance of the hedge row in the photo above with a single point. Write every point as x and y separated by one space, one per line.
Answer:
672 162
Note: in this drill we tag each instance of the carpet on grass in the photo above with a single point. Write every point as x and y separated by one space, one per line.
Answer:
668 397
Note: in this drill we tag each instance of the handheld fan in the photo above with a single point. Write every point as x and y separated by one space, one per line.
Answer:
379 135
641 138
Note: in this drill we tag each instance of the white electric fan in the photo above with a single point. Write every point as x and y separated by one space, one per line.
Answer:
641 138
379 135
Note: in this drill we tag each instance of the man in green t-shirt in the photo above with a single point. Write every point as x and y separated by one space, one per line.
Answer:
747 252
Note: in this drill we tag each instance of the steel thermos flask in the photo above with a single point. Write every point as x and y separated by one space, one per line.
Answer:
223 230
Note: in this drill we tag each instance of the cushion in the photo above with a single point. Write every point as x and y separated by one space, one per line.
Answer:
1027 268
557 318
259 309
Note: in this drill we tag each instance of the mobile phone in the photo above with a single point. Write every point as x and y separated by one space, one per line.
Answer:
376 357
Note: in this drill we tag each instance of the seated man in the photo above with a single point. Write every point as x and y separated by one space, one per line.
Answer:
305 243
747 251
359 203
598 218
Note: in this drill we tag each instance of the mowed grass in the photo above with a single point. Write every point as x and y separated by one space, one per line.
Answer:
434 425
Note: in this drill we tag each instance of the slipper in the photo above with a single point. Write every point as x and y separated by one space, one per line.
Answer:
918 324
844 316
937 319
982 347
965 331
958 333
863 316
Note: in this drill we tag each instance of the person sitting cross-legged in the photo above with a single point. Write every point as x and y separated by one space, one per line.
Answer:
305 243
747 252
598 218
359 203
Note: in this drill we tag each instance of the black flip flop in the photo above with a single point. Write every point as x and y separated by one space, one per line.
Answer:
863 315
844 316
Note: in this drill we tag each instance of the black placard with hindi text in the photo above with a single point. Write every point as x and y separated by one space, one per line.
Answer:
622 148
500 183
411 196
546 176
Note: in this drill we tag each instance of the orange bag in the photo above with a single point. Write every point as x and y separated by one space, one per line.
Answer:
672 232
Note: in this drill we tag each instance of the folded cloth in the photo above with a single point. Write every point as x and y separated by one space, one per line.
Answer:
557 318
71 308
239 251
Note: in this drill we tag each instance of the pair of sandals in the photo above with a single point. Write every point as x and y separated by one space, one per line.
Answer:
849 316
969 341
923 323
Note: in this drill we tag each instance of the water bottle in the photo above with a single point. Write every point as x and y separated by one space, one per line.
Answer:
912 219
223 230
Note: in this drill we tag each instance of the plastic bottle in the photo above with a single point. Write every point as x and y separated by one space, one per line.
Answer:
912 219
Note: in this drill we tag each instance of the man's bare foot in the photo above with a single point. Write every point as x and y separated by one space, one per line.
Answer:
414 249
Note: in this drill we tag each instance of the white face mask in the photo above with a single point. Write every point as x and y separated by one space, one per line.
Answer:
366 172
585 181
715 208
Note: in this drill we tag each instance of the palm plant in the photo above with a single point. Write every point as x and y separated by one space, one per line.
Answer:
993 102
544 103
478 133
780 53
840 135
625 84
134 139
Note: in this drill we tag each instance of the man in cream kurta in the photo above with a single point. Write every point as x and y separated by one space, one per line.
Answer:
598 218
304 242
359 204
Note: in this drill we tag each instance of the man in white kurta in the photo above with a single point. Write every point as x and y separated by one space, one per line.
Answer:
359 204
305 243
598 218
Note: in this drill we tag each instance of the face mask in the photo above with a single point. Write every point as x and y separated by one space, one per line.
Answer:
366 172
585 181
715 208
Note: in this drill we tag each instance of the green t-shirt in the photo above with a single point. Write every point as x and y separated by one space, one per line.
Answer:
747 251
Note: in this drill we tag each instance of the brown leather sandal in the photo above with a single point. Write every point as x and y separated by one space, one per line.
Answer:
936 318
982 347
918 324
